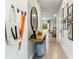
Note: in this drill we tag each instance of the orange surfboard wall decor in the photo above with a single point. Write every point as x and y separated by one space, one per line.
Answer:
22 26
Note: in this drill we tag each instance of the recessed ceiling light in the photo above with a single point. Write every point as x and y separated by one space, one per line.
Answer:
54 15
43 18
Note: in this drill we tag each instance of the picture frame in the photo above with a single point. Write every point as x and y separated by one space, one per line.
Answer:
70 31
70 13
62 14
65 24
70 22
65 10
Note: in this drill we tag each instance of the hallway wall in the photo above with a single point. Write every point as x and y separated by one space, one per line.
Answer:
12 51
66 44
31 45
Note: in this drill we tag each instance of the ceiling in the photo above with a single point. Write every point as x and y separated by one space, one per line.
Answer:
50 6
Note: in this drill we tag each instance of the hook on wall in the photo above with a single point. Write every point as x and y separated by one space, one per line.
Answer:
12 6
25 13
18 10
21 12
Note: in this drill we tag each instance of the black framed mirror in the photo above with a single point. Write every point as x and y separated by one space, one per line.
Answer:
34 19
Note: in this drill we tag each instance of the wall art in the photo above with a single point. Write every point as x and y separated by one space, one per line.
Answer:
70 31
22 27
70 13
70 22
66 10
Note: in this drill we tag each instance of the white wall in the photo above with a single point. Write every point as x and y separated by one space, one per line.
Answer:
12 52
66 44
31 45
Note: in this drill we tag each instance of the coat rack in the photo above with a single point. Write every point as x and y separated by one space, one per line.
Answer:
18 10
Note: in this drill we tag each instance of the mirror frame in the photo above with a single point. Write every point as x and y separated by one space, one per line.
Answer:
36 18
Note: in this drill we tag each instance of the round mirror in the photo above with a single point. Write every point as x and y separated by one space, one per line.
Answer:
34 19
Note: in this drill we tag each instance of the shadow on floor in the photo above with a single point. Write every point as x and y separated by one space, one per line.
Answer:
37 57
54 52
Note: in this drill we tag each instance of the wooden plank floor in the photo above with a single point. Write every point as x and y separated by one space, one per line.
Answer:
54 52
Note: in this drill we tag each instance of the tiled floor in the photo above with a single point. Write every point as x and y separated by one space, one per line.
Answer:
54 51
